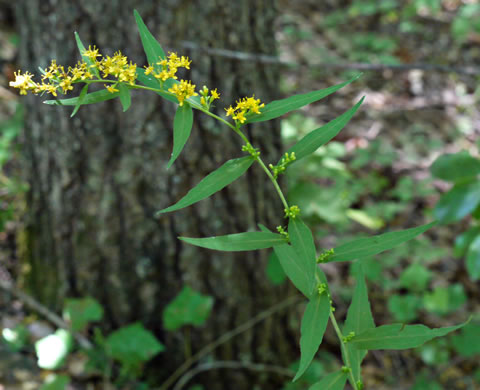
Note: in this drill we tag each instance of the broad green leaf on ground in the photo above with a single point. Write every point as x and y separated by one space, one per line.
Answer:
187 308
415 277
473 259
81 98
302 242
455 167
125 97
457 203
132 345
248 241
214 182
399 336
314 323
280 107
56 382
152 48
297 270
274 270
445 300
316 138
182 127
369 246
467 341
463 241
359 319
334 381
89 98
79 312
88 61
404 308
52 350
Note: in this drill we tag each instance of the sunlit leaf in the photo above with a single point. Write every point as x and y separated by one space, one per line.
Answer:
334 381
182 127
359 319
89 98
278 108
316 138
79 312
125 97
314 323
237 242
152 48
215 181
56 382
399 336
369 246
187 308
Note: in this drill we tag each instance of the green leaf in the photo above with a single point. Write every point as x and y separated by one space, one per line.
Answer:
463 241
248 241
214 182
473 259
359 319
416 277
52 350
152 48
334 381
297 270
88 61
125 97
81 98
399 336
274 270
404 308
89 98
132 345
457 203
314 323
369 246
302 242
188 308
280 107
455 167
444 300
467 341
182 127
316 138
56 382
80 312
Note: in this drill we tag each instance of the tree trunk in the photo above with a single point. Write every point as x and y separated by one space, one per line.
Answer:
96 180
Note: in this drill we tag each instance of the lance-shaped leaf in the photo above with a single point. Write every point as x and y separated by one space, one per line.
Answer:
88 61
334 381
316 138
214 182
359 319
302 242
152 48
182 127
399 336
81 98
296 269
369 246
248 241
89 98
125 97
314 323
280 107
457 203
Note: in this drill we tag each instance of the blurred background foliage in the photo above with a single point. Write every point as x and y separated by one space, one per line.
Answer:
410 155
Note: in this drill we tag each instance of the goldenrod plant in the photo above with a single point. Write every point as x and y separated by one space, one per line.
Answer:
293 243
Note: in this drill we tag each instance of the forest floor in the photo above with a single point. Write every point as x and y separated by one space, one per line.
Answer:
376 177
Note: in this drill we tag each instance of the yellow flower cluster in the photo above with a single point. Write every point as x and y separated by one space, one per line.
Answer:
183 90
207 97
169 67
118 67
244 107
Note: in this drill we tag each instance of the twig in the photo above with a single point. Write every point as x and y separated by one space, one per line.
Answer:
268 59
44 311
232 365
227 336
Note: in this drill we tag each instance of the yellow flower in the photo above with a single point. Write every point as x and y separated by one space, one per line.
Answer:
92 54
240 117
183 90
111 88
23 82
230 111
215 94
148 69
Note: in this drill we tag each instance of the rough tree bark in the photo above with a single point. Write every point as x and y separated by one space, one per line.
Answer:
97 180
